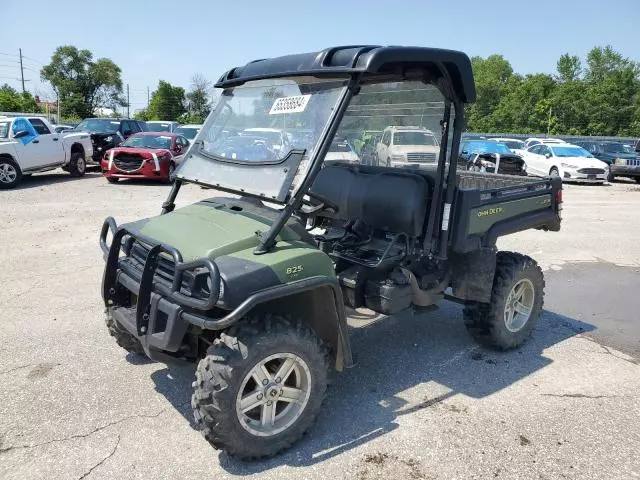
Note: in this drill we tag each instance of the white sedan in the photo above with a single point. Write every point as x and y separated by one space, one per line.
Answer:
570 162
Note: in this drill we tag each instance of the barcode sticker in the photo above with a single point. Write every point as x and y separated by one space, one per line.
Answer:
294 104
445 216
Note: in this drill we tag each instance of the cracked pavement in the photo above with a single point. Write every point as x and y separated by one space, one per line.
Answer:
422 402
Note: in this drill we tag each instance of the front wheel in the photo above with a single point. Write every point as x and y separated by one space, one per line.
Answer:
554 172
260 387
77 165
637 179
10 173
516 302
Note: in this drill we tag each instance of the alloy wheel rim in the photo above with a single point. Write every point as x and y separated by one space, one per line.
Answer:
519 305
273 394
8 173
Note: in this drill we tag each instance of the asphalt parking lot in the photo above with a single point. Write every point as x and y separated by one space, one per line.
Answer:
422 402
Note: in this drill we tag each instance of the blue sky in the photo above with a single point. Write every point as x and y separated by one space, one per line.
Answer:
172 40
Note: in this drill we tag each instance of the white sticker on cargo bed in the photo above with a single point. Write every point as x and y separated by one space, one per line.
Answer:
295 104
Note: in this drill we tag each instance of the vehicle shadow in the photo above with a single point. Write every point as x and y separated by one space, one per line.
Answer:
47 178
393 355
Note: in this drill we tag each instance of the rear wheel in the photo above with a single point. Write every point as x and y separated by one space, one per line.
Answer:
10 173
516 302
260 387
77 165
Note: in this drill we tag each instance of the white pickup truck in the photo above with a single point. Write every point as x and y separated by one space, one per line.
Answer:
30 144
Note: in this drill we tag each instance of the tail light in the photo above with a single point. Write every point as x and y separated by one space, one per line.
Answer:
559 199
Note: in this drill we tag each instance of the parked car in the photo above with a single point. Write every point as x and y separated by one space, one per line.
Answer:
107 133
404 146
621 159
529 142
161 126
490 157
568 161
62 128
341 151
188 131
146 155
276 138
29 145
515 145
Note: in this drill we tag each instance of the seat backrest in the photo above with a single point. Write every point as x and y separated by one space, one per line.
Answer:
395 202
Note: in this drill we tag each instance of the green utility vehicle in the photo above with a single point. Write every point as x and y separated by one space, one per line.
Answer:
254 284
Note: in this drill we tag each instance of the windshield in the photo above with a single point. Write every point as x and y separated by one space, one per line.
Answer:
252 140
570 152
414 138
149 141
187 132
485 147
98 125
158 127
513 144
4 129
617 148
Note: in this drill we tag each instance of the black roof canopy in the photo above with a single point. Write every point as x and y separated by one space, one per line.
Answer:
369 59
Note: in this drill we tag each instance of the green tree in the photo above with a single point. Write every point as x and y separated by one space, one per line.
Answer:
569 68
492 76
198 100
12 101
167 102
82 83
526 106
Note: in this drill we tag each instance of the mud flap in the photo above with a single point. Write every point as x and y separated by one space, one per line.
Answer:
473 274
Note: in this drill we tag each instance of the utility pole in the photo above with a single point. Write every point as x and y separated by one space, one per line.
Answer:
549 122
128 112
21 70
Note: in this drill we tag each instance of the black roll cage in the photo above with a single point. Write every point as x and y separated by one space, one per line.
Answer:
436 73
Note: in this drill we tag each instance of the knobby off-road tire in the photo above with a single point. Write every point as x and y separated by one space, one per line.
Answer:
123 338
231 378
77 165
518 286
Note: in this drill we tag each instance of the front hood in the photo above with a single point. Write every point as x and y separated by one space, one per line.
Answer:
209 228
582 162
404 149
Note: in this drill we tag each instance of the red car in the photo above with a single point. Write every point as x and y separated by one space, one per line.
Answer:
145 155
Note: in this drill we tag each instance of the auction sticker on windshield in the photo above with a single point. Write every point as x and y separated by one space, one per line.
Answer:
295 104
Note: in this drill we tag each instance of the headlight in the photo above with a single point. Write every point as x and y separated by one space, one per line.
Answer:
568 165
620 161
109 139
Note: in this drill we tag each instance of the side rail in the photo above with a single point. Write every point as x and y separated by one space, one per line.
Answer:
147 284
